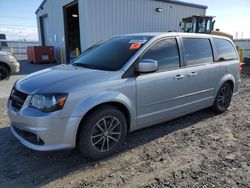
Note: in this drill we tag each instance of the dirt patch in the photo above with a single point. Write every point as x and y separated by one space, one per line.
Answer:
199 150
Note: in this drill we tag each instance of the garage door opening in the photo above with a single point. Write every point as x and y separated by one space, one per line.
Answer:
72 31
44 25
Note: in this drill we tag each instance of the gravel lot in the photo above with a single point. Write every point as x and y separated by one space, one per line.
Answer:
199 150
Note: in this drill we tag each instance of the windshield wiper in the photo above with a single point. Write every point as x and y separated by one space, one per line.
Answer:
78 64
84 65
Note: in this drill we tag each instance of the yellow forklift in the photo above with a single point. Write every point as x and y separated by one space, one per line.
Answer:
205 24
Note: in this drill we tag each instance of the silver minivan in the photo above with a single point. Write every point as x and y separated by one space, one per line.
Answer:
120 85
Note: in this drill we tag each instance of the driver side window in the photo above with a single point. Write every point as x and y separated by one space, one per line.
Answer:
166 53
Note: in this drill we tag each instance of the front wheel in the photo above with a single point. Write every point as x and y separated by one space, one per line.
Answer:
102 133
4 73
223 98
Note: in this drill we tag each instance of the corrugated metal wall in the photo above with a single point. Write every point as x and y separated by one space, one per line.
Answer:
100 19
106 18
244 44
54 10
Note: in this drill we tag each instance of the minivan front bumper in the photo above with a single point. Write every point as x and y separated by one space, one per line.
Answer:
43 131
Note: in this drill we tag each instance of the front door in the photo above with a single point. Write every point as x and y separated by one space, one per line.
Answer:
160 94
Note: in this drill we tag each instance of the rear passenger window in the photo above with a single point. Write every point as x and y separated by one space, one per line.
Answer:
225 50
197 51
165 52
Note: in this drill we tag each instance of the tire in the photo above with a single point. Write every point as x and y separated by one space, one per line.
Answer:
223 98
4 72
96 141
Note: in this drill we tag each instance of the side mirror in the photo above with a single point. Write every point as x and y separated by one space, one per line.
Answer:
147 65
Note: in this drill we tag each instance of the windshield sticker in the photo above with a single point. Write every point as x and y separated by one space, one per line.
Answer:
135 46
137 41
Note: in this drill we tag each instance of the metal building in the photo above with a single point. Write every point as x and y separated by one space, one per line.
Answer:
245 45
71 24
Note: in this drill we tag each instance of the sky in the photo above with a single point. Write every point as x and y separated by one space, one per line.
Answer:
232 16
18 19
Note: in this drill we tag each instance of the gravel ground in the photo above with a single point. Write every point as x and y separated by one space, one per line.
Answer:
199 150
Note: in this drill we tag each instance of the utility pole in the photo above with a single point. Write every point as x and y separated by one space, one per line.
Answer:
236 34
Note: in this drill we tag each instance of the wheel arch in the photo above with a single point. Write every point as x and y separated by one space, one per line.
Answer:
231 83
226 79
123 108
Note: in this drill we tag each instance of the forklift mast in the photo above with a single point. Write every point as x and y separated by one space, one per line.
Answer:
198 24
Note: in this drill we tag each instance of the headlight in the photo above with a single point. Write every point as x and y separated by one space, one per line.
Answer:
48 102
12 59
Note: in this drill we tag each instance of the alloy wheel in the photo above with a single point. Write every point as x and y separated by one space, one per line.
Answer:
106 133
224 98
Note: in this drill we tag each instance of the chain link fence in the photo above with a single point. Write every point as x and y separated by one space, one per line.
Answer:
16 47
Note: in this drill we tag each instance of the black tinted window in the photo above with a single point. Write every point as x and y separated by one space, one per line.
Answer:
165 52
197 51
225 50
111 54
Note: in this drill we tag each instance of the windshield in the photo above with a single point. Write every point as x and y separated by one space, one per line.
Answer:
189 25
111 54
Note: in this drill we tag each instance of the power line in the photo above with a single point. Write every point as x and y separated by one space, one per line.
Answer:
18 17
9 25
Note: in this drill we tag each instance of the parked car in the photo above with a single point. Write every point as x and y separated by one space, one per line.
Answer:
8 65
120 85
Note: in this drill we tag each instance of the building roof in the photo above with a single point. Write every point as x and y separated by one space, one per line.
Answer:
177 2
40 6
184 3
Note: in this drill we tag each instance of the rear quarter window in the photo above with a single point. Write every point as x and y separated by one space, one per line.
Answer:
225 50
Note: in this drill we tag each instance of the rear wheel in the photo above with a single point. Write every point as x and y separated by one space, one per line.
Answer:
4 72
223 98
103 132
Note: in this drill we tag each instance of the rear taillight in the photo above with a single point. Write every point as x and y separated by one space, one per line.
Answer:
241 67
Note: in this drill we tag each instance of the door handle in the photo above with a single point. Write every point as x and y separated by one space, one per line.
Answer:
179 77
192 74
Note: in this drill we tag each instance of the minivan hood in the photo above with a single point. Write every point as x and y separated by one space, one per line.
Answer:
60 78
